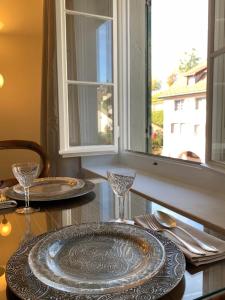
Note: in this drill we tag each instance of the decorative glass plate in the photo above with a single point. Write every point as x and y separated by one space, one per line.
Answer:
51 186
71 193
25 285
97 258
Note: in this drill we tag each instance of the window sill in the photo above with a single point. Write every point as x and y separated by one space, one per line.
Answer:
88 151
204 206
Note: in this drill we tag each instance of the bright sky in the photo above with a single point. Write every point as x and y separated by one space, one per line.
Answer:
177 27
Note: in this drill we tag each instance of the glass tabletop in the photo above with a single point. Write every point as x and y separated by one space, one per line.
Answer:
100 205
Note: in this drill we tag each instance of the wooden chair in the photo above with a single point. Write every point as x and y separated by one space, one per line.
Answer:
28 145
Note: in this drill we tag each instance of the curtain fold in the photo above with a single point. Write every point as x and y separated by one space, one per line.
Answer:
49 99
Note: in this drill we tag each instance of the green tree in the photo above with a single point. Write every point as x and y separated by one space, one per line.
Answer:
156 85
157 118
189 61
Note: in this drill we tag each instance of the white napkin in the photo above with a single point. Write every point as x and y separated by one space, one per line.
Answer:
195 259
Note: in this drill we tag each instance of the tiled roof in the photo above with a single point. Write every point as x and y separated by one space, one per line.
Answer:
179 90
195 70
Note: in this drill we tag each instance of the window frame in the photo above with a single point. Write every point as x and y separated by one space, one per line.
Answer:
65 149
212 54
161 165
198 102
192 173
178 104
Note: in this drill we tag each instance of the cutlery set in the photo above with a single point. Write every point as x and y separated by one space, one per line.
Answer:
162 222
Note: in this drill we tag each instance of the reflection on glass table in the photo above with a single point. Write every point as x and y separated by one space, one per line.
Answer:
100 206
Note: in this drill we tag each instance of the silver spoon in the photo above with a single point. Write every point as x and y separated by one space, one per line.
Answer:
169 222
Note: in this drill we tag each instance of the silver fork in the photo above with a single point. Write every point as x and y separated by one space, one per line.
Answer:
156 227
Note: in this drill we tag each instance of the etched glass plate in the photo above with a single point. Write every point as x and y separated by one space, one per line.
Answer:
25 285
51 186
72 193
97 258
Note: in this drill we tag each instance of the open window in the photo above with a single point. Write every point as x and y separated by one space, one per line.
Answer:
87 76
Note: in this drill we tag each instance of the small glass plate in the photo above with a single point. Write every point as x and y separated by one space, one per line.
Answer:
97 258
51 186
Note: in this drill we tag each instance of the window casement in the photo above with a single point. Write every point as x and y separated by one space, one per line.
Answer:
196 129
178 104
198 103
132 66
87 76
172 126
178 128
216 86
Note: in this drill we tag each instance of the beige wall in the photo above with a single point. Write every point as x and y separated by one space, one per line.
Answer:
20 64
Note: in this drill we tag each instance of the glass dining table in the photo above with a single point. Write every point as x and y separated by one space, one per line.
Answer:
100 205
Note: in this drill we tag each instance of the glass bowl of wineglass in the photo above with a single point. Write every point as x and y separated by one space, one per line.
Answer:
25 173
121 181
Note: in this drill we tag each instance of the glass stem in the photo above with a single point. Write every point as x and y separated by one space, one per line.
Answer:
27 197
121 207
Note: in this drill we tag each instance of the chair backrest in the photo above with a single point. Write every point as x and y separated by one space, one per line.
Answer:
28 145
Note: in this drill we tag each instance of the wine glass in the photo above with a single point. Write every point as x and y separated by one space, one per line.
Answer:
25 173
121 181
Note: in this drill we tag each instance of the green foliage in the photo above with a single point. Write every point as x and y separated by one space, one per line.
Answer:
155 98
189 61
157 142
157 118
156 85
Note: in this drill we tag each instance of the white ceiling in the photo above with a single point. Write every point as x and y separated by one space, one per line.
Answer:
21 17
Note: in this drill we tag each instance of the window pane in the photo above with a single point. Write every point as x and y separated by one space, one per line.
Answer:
218 120
89 49
163 105
219 36
178 104
90 115
96 7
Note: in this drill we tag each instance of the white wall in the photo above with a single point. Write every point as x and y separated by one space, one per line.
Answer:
20 64
175 143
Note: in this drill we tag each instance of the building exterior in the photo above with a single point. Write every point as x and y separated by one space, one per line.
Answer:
184 105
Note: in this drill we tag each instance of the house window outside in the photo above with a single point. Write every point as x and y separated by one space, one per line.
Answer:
183 129
176 128
199 103
196 129
178 104
172 127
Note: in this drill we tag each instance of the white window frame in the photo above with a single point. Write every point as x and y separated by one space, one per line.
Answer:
164 166
65 149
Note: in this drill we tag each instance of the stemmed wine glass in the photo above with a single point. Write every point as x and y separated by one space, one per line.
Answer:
121 181
25 173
